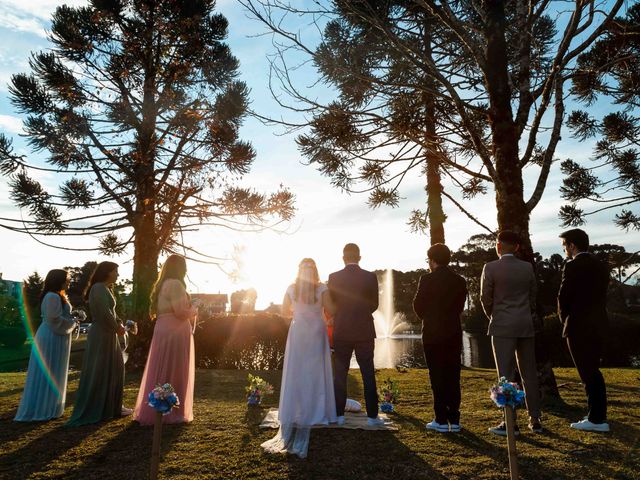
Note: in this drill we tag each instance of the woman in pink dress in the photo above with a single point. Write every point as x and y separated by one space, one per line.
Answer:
171 356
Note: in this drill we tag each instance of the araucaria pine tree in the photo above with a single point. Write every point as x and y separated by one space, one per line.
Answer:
139 108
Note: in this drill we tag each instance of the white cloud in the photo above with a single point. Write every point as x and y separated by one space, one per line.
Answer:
41 9
21 23
11 124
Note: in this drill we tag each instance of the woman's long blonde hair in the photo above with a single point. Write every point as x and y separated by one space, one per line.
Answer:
175 267
307 281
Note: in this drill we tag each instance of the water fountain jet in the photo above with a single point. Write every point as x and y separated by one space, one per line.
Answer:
387 321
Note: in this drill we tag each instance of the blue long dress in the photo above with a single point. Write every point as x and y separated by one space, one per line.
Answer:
45 389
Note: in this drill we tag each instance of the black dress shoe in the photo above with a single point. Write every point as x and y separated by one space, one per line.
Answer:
501 430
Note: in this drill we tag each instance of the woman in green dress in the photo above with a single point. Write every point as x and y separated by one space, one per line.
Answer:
99 395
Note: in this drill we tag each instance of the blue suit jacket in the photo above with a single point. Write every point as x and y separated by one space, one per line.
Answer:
355 294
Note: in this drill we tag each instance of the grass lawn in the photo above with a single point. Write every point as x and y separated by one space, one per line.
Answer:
224 439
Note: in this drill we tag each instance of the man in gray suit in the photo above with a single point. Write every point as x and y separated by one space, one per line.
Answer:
508 295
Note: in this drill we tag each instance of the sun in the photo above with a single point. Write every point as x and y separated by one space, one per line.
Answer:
268 262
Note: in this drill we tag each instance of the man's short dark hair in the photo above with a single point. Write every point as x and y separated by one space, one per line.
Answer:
508 237
439 253
351 251
578 237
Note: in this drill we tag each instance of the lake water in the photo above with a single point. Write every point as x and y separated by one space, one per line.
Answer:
406 351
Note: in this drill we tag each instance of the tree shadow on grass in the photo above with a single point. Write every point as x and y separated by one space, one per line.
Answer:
12 392
562 409
478 445
42 450
252 419
625 388
127 454
359 454
11 431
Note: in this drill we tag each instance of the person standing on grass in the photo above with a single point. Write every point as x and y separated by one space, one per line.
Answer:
306 391
45 389
354 292
101 386
172 354
508 296
439 302
582 309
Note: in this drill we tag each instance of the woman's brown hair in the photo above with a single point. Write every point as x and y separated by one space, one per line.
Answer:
175 267
54 282
100 274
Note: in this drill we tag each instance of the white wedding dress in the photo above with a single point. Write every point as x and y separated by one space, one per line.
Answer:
306 393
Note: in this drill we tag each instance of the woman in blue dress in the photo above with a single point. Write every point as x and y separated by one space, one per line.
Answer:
45 389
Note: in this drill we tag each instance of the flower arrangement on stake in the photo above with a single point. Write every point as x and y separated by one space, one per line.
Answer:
508 396
257 388
162 399
390 393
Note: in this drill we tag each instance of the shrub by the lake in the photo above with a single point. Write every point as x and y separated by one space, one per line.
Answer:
620 340
12 337
253 342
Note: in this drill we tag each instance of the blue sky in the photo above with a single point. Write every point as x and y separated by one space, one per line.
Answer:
326 218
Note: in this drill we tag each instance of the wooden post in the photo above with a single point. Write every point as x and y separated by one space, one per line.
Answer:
511 441
155 449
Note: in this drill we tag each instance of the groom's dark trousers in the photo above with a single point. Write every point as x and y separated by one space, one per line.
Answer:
582 308
355 294
439 301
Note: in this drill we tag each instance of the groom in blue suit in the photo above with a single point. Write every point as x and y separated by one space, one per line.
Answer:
354 292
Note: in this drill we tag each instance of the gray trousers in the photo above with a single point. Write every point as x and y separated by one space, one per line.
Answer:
508 350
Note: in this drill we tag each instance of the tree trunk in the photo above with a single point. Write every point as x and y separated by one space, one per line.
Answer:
511 207
435 212
145 271
146 248
434 190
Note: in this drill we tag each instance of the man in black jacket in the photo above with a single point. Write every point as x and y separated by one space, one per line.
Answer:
582 309
354 292
439 301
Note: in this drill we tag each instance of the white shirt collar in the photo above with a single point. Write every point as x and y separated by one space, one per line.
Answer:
507 255
579 253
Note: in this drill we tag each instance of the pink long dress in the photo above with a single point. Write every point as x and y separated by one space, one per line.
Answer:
171 356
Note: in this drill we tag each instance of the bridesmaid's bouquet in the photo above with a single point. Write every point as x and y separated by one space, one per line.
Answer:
390 393
257 388
163 398
507 393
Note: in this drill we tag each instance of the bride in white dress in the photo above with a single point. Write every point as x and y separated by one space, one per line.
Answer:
306 393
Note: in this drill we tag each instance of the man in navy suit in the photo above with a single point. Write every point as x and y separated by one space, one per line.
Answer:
582 308
439 302
354 292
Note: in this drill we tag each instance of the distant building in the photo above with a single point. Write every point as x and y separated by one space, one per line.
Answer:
9 287
212 302
244 301
273 308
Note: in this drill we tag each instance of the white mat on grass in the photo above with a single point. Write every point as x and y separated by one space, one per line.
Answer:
352 421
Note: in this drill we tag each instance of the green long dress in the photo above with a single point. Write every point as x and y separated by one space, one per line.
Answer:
102 379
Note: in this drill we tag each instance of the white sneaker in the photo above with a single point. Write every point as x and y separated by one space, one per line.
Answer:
375 422
352 406
438 427
455 427
126 411
587 426
340 420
